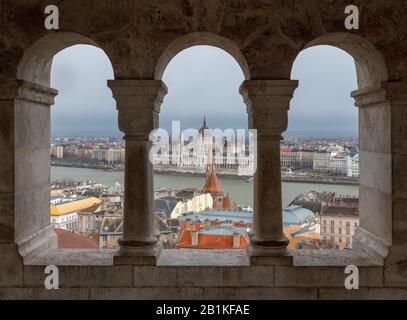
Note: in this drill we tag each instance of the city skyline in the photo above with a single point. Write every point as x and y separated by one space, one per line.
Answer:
85 106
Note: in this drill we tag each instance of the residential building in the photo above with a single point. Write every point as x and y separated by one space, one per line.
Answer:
336 164
65 215
164 206
289 157
306 158
339 223
196 204
110 231
57 151
353 166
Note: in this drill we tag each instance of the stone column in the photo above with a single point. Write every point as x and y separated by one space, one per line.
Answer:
25 228
8 93
374 232
138 103
382 233
267 104
383 177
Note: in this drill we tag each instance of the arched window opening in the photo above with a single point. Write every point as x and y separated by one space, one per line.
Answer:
87 151
201 201
34 228
320 151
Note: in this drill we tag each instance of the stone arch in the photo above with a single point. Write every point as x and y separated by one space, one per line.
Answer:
375 179
35 65
370 65
33 231
200 38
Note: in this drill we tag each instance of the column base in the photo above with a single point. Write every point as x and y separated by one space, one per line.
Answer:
38 242
140 255
269 255
366 242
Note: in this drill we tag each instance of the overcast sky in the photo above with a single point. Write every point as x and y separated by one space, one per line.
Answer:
204 81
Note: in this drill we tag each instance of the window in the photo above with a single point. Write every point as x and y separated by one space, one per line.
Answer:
218 72
80 73
332 160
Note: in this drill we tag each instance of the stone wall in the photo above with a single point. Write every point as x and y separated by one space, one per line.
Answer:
191 281
263 36
140 38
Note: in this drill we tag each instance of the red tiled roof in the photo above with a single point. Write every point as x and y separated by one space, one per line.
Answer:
212 184
70 240
209 241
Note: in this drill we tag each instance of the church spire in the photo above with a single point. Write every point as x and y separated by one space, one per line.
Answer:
212 183
204 127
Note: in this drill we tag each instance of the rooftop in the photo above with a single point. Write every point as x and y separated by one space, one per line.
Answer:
212 183
70 240
297 215
223 230
291 215
340 211
113 224
210 240
73 206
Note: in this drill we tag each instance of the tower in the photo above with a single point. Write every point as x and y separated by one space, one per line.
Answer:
215 188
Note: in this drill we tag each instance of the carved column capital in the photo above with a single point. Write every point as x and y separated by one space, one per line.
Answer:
138 103
268 102
27 91
394 92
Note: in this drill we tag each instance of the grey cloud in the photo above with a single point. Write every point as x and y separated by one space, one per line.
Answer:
202 81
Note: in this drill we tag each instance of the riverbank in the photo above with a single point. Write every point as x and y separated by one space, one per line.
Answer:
289 179
98 166
333 181
240 191
292 179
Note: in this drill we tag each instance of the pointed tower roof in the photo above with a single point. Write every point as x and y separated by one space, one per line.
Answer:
212 183
228 204
204 127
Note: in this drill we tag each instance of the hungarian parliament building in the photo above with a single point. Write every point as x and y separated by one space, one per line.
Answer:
227 161
338 161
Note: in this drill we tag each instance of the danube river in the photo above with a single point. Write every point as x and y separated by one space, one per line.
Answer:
239 190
